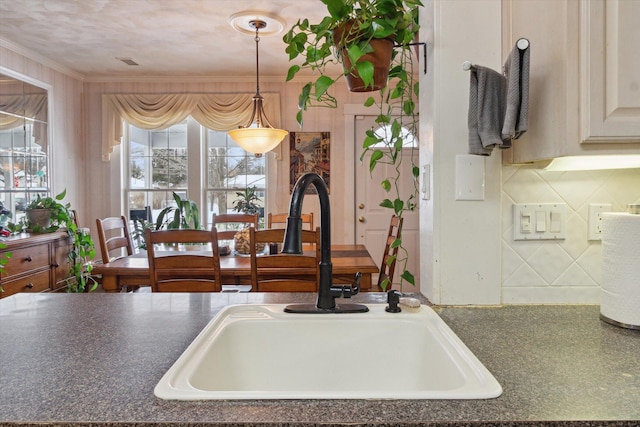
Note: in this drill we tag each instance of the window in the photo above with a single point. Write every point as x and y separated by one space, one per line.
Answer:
194 162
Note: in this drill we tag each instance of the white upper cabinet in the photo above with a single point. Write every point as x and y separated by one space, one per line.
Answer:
584 94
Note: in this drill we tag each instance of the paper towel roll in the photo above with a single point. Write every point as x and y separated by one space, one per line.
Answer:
621 269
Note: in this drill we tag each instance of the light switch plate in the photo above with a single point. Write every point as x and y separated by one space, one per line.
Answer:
469 177
539 221
425 188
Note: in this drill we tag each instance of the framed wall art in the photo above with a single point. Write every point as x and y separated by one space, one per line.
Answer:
309 152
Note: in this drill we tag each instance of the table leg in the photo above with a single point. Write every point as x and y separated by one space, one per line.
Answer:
110 283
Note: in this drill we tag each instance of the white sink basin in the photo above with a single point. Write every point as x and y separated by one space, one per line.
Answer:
260 352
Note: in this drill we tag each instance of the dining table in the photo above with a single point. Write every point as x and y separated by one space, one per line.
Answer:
133 270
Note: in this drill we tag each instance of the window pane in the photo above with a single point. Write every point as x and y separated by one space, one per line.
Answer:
231 170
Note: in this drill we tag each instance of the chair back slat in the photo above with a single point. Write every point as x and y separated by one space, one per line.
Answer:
279 272
113 234
232 223
280 219
183 260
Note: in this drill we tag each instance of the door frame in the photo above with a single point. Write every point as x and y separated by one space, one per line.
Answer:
349 153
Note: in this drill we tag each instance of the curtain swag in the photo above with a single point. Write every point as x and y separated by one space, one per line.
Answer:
221 112
30 107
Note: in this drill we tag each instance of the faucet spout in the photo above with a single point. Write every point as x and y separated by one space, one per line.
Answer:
292 244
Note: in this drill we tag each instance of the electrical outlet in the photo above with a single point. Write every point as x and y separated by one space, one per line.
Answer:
595 219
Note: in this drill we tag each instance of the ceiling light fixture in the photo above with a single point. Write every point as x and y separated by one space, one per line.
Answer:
258 136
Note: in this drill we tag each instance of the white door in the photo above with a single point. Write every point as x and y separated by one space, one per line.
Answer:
372 220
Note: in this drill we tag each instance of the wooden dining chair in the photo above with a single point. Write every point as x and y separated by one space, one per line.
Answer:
389 257
284 272
281 218
113 235
191 269
229 224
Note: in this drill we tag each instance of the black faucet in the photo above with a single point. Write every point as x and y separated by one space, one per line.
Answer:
327 293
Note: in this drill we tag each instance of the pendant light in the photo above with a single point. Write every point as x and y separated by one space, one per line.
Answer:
258 136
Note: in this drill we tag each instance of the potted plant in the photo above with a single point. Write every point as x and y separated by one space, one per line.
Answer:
247 201
49 214
184 214
351 26
352 34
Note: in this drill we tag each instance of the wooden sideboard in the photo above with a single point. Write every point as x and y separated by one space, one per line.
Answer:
39 262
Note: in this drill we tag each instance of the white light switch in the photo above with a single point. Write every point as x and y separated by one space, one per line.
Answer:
555 225
539 221
525 222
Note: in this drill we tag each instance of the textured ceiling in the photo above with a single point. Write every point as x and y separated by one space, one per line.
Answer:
165 37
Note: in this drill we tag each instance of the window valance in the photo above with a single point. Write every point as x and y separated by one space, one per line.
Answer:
220 112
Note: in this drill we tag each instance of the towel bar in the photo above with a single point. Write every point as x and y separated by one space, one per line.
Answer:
522 44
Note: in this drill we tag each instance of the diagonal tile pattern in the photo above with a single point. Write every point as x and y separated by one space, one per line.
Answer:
566 271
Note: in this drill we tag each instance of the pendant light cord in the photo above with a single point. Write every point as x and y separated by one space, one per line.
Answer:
257 39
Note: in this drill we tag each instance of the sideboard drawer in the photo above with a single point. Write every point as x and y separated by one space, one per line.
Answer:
28 259
35 283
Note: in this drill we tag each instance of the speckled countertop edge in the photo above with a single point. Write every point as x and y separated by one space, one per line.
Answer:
535 329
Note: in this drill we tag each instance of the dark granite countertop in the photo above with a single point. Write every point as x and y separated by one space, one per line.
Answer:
68 359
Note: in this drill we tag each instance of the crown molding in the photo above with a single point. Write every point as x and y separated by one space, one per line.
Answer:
40 59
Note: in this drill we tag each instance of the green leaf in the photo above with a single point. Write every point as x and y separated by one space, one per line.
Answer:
303 99
406 275
408 107
365 71
369 141
396 243
375 156
398 205
355 53
337 8
292 71
369 102
323 83
386 203
415 171
386 185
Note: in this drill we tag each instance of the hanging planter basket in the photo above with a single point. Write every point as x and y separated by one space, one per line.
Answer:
380 58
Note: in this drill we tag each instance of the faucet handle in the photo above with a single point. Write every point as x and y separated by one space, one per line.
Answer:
347 291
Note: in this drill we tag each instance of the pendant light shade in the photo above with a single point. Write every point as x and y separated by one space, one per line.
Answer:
258 136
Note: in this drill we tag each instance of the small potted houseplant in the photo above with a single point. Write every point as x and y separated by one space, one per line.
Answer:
49 214
347 36
184 215
247 202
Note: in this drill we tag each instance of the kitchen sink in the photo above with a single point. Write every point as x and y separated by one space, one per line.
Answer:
261 352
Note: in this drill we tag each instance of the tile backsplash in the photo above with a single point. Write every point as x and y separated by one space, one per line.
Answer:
563 271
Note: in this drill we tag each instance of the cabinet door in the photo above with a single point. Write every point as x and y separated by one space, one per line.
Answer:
552 29
611 71
61 266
